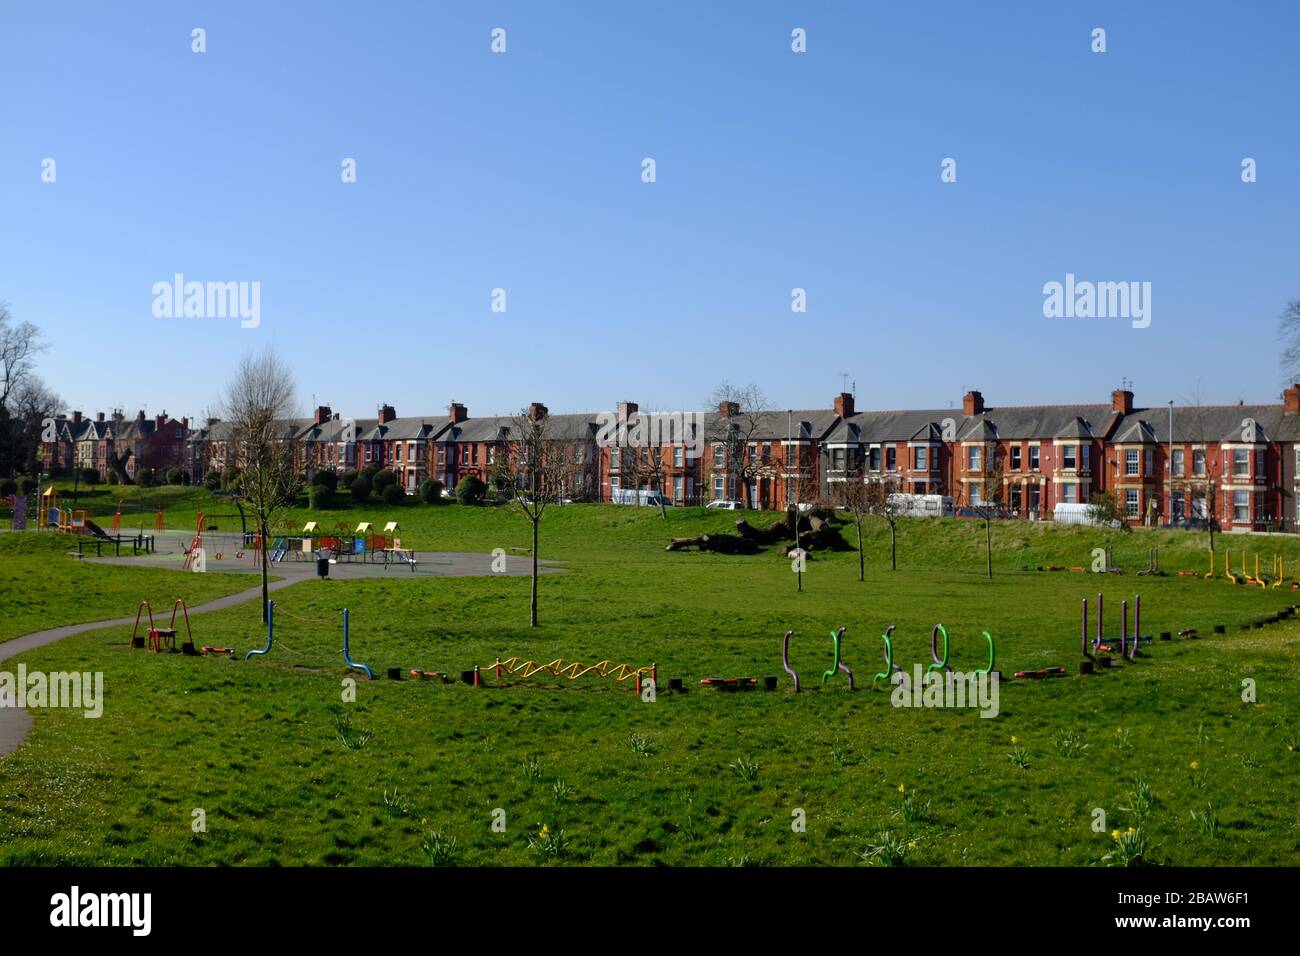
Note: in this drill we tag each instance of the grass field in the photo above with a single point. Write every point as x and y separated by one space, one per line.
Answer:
287 773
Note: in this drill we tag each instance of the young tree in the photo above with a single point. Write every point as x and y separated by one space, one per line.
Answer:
883 502
1199 483
992 494
259 407
735 430
544 469
854 495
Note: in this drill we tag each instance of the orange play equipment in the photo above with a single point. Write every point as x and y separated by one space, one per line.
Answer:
160 636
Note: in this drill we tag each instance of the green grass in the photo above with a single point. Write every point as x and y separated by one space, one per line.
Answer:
43 587
289 774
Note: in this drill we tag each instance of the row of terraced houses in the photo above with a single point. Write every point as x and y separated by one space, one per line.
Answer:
1238 464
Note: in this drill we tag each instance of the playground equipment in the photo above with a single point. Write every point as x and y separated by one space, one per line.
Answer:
116 523
346 657
838 663
430 675
940 663
193 554
205 650
785 660
1227 567
572 670
1128 647
47 515
890 666
270 633
1153 562
160 637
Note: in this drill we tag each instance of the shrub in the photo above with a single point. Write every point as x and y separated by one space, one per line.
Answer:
431 491
320 497
360 489
328 478
212 480
90 476
27 485
176 476
370 470
346 478
471 490
382 480
112 478
8 487
144 476
393 495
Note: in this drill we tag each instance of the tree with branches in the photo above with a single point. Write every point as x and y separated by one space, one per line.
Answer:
544 472
883 501
20 343
259 407
734 428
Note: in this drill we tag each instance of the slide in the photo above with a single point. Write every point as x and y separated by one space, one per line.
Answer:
96 530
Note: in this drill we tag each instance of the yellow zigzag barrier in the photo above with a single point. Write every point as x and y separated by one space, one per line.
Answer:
570 670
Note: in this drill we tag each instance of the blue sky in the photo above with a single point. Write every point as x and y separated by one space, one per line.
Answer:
775 170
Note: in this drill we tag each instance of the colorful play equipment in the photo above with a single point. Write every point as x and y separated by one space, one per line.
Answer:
890 666
116 523
347 659
1093 655
1041 673
572 670
192 552
205 650
160 637
270 633
1153 562
838 663
785 660
730 683
940 663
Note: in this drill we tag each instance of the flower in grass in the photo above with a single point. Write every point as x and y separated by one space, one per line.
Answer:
544 831
911 844
1014 741
1195 764
1114 834
902 789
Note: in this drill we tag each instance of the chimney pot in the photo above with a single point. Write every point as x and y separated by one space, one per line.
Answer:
1121 400
844 405
972 403
1291 398
457 413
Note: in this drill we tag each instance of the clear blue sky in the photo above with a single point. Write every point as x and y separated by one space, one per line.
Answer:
775 170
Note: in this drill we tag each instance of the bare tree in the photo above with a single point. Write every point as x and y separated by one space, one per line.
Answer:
32 404
992 494
1288 333
883 502
1200 484
854 495
19 345
259 407
544 470
735 431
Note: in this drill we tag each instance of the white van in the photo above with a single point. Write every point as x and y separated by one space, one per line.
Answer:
632 496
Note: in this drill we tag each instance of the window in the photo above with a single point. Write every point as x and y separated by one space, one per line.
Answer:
1198 462
922 459
875 457
973 457
399 453
677 488
719 456
492 454
719 487
1150 470
1070 494
1131 462
1069 457
1015 457
1240 462
1015 498
975 494
614 457
1259 465
1241 506
891 458
1087 457
1131 498
837 459
1180 505
1178 462
1199 509
1033 457
678 454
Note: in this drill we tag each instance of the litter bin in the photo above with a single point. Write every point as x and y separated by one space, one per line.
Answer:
323 567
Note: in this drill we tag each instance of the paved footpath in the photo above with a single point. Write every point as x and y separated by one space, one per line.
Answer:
15 723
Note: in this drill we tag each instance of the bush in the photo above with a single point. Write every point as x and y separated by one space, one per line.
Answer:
212 480
8 487
112 478
370 470
27 486
320 497
471 490
431 491
90 476
382 480
177 476
360 489
346 478
328 478
230 478
144 476
393 495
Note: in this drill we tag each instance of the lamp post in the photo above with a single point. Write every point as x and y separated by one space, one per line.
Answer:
789 440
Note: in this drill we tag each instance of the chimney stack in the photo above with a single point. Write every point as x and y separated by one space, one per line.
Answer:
99 416
322 414
76 418
159 421
728 409
457 413
537 411
844 405
386 414
972 403
626 410
1291 399
1121 401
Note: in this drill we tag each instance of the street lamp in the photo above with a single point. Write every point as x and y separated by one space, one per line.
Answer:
1169 465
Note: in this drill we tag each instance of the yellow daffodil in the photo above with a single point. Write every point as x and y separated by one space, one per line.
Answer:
1195 764
1131 831
911 845
1114 834
1015 740
543 831
902 789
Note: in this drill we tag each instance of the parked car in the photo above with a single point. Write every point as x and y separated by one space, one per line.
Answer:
724 504
629 496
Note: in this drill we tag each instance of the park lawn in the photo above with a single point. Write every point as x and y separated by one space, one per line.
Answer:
41 586
256 745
